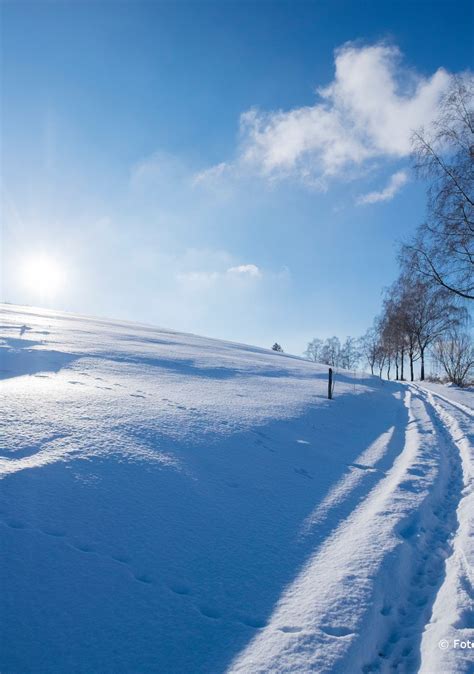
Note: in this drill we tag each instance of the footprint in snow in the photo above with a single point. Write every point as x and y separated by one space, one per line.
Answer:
394 637
416 471
180 588
209 612
16 524
137 395
336 631
87 549
409 485
144 578
409 531
362 466
290 630
303 472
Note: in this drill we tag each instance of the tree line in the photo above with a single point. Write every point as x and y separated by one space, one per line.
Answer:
425 312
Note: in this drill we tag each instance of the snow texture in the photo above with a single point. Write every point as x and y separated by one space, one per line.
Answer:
176 504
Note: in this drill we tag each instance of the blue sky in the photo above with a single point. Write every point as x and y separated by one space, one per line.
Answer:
238 170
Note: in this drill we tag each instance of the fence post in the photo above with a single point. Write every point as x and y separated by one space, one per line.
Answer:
330 384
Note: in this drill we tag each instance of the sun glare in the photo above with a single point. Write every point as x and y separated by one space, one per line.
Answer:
42 275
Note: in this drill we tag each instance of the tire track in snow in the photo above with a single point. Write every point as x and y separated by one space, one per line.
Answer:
333 617
420 564
453 610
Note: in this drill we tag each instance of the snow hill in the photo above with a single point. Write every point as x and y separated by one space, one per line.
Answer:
175 504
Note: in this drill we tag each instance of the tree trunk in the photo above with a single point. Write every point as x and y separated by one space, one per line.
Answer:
388 369
401 365
412 375
422 372
396 365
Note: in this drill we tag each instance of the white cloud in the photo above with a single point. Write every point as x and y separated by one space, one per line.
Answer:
368 111
209 278
211 174
245 270
394 185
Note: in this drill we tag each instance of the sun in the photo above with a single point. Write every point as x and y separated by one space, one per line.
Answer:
43 275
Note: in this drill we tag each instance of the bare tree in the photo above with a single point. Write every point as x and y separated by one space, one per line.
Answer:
455 352
370 344
433 314
443 248
350 354
394 331
313 350
402 302
388 346
416 313
331 352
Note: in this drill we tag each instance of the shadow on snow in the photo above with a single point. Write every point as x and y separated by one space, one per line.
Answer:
157 569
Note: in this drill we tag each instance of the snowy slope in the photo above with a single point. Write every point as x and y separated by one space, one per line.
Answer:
171 503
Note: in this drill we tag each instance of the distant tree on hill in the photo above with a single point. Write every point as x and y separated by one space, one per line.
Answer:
350 354
331 352
314 349
277 347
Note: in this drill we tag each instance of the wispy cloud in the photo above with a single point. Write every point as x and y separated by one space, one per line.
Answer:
368 111
394 185
160 168
207 278
245 270
211 174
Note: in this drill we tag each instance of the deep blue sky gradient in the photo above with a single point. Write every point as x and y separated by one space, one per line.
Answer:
91 90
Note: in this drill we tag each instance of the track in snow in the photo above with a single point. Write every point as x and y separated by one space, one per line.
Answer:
364 599
453 611
420 563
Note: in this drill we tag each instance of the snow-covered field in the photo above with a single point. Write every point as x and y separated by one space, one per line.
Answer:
175 504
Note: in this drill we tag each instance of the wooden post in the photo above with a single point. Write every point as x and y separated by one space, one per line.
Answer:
330 384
